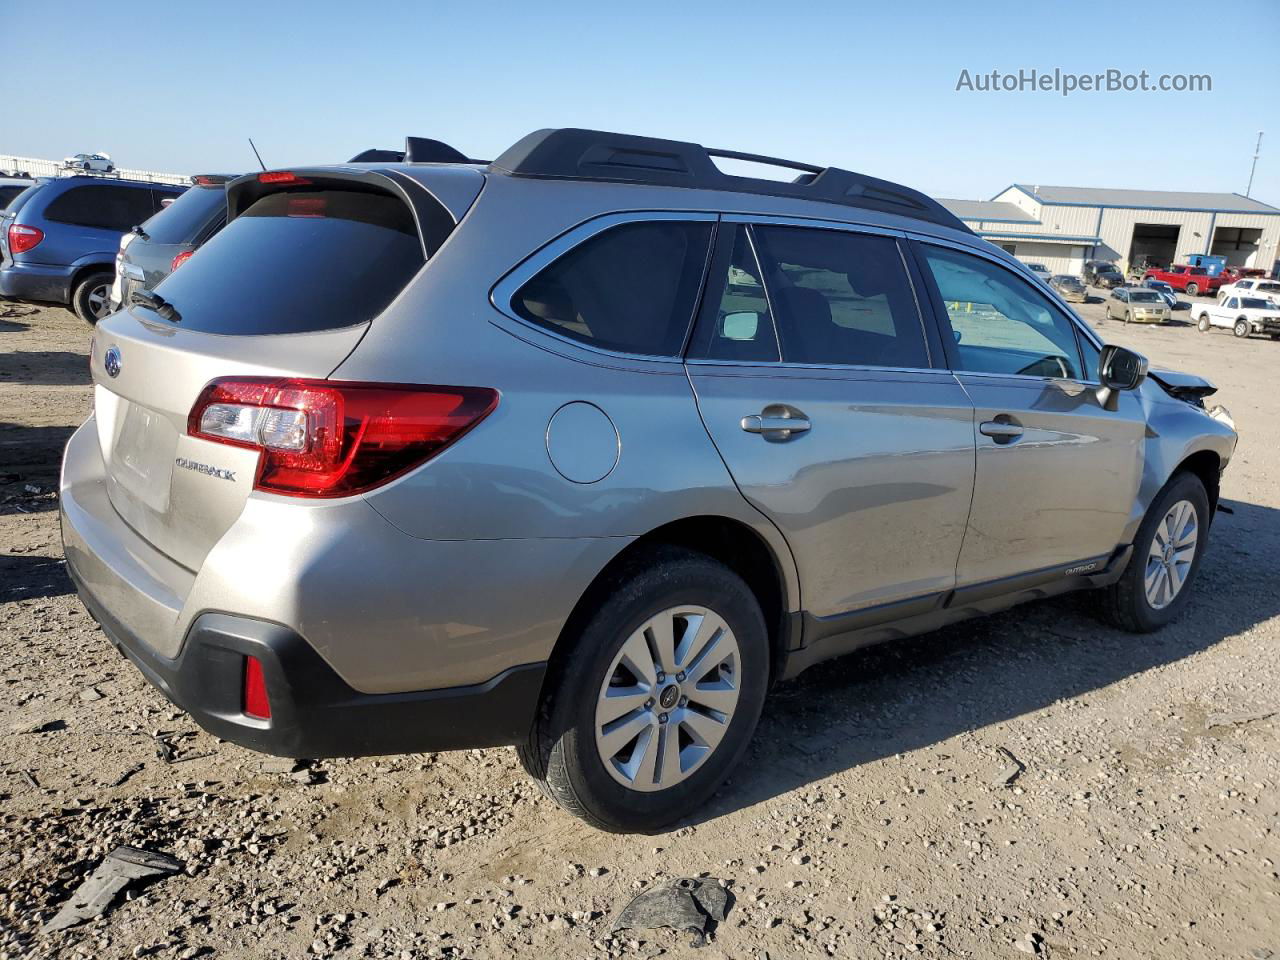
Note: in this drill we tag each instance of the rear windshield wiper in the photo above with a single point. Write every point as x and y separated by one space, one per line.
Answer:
153 301
137 231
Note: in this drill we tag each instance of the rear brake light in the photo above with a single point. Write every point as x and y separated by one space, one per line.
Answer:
180 259
281 176
328 438
256 703
22 239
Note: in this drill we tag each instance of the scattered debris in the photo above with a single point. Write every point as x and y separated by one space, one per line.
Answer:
38 726
1219 720
90 694
1010 773
122 866
682 904
136 768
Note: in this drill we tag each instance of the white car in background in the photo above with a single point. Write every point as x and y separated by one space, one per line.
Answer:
1252 287
1241 315
98 162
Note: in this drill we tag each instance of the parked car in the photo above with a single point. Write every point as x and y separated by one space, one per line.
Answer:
1252 287
1039 269
154 249
1093 267
429 456
1108 278
1187 279
1069 287
98 162
1232 274
59 238
1165 291
10 187
1137 305
1241 315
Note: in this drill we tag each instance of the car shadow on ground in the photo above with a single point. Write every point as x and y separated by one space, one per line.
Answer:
45 368
913 693
26 577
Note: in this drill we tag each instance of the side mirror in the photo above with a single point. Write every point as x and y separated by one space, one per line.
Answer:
1119 369
740 326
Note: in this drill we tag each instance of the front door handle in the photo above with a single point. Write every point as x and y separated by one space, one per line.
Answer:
776 422
1001 431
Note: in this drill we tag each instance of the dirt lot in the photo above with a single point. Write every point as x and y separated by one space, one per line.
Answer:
872 819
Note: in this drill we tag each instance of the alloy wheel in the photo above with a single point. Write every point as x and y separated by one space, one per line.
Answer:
668 698
99 300
1173 549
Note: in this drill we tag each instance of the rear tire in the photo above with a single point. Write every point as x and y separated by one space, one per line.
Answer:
614 783
91 300
1136 602
1193 289
1241 329
1203 325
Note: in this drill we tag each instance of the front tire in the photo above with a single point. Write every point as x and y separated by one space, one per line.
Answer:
91 299
1156 585
655 698
1241 329
1203 325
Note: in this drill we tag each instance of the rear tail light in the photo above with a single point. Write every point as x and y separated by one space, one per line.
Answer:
326 438
256 703
180 259
22 239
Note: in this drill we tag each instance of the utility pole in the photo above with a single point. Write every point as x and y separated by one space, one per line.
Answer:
1256 150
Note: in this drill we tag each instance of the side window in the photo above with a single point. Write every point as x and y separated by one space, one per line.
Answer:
632 288
1000 323
841 298
1090 355
105 207
735 313
159 195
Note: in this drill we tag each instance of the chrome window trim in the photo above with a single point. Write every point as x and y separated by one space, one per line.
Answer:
1054 299
503 292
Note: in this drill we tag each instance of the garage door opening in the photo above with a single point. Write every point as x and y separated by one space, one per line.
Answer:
1238 244
1154 245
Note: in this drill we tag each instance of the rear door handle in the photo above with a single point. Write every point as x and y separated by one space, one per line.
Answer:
772 426
1001 431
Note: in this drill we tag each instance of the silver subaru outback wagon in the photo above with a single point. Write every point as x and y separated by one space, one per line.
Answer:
583 448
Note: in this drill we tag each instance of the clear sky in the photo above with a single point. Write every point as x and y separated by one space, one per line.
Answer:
179 86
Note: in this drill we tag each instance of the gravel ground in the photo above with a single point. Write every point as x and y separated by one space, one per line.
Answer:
873 818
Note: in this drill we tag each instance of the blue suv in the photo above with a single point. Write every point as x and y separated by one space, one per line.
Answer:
59 237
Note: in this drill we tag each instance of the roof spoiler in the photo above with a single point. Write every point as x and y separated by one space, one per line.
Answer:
576 154
416 150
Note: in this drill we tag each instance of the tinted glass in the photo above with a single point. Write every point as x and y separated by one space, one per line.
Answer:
631 288
103 206
1253 303
23 198
8 192
297 262
188 216
1000 322
1142 296
737 309
841 298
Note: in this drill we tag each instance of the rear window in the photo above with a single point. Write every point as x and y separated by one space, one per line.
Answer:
299 261
188 216
632 288
8 192
104 206
23 198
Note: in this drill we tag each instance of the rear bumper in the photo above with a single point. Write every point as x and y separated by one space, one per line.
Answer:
313 712
35 281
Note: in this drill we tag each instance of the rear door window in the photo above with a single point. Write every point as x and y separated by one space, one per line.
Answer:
104 206
841 298
189 216
631 288
736 324
299 261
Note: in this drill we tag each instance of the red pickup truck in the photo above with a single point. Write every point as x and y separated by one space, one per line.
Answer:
1192 281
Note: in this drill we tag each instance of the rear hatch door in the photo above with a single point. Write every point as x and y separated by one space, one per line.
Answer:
288 288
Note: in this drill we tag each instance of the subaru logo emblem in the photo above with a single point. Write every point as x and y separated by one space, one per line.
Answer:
112 361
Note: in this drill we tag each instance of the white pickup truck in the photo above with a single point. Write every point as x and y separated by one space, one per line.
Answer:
1252 287
1241 315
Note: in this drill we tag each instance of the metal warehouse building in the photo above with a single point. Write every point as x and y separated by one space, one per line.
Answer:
1062 227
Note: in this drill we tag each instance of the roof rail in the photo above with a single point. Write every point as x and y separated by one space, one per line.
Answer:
575 154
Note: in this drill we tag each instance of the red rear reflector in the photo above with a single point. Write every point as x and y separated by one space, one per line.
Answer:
280 176
180 259
256 703
329 438
22 239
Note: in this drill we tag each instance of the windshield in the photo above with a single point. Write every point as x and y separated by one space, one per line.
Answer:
1145 296
1254 303
299 261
